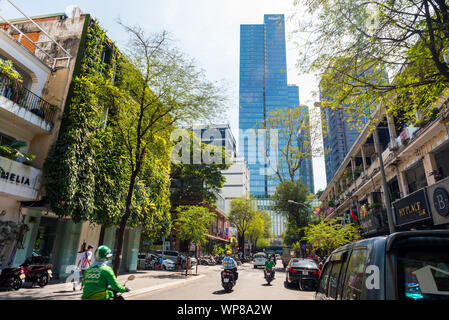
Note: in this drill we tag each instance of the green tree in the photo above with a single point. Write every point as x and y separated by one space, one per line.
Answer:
256 228
163 87
330 235
263 243
297 212
197 182
300 135
368 53
241 215
192 224
111 162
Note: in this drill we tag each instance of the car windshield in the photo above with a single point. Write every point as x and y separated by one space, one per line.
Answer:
423 273
304 264
259 256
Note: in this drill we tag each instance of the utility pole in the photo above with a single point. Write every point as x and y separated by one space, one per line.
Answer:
384 183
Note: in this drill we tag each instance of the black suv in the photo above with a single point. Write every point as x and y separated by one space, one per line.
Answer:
411 265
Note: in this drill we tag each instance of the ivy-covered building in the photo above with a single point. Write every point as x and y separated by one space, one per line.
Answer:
57 110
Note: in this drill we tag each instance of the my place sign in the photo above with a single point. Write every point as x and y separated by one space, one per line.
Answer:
411 209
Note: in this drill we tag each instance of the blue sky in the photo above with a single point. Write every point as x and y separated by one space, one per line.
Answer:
207 30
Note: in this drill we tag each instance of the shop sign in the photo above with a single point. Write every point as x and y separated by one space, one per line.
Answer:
439 201
370 221
14 177
411 209
227 230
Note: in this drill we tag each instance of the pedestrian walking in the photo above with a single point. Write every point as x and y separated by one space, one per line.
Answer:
83 263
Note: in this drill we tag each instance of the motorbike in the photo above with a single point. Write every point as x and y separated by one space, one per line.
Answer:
117 295
269 276
37 271
12 278
227 280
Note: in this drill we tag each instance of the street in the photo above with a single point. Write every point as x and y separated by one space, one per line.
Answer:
251 285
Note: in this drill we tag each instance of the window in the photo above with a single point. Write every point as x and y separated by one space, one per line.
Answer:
5 140
325 279
416 178
354 288
442 161
423 267
333 279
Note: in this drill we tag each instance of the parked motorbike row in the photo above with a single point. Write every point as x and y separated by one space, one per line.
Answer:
207 261
35 269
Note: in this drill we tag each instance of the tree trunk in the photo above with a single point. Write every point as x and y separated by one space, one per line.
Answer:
121 231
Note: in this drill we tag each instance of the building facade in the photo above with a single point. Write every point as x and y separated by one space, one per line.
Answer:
264 88
416 161
338 137
45 51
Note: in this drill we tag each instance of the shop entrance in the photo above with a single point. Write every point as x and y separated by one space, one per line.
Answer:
46 235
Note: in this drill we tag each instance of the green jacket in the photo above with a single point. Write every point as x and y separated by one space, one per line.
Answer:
269 264
96 281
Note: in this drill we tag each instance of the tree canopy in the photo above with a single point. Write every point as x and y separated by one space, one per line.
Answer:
298 137
192 223
330 235
369 53
297 212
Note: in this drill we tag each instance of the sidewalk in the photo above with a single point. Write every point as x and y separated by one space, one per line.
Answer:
145 281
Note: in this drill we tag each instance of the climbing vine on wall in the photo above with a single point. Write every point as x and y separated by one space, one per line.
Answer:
87 168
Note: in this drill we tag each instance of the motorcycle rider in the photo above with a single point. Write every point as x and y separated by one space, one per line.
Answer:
269 265
99 276
230 264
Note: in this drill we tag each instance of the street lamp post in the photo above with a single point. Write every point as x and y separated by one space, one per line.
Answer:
300 204
304 206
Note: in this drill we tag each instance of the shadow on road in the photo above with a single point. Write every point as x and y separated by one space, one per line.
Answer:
222 292
291 286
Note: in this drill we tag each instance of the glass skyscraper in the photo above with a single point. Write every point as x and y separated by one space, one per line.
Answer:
263 88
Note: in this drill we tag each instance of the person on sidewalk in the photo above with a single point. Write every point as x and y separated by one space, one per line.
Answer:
83 263
178 262
99 276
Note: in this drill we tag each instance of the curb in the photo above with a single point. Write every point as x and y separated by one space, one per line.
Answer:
161 286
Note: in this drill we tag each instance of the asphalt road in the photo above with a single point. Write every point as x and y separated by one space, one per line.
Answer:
251 285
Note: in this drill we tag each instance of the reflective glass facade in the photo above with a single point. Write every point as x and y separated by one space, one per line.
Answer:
263 87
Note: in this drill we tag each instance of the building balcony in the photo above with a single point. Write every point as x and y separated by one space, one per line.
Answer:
19 181
26 108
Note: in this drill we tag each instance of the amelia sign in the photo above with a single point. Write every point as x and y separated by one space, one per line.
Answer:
19 181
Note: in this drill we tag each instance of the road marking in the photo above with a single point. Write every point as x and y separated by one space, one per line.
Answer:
161 286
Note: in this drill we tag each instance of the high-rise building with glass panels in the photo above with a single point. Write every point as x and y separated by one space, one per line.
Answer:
264 88
339 135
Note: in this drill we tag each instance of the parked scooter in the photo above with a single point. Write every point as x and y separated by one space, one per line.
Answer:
227 280
37 271
12 278
117 295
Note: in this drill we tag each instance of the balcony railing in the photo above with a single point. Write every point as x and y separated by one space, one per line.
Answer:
17 93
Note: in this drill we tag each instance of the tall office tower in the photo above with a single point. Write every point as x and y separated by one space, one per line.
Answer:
263 88
338 137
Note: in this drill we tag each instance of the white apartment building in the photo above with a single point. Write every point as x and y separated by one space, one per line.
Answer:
237 182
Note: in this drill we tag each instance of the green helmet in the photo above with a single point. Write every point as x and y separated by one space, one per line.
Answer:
103 252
